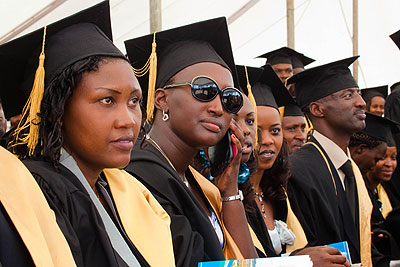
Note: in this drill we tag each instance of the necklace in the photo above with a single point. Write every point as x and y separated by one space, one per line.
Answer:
260 198
154 143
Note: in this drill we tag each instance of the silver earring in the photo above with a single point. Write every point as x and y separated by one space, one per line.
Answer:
165 116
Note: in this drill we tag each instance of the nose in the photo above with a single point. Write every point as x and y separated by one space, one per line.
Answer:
266 138
300 135
359 102
125 118
215 106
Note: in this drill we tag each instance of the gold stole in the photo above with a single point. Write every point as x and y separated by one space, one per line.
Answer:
31 215
364 208
144 220
231 250
293 224
384 198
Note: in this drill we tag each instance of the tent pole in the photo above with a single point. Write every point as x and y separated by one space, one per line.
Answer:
155 15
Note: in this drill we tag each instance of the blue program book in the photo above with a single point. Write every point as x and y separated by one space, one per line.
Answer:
342 247
292 261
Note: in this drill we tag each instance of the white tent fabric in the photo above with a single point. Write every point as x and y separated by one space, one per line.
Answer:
322 28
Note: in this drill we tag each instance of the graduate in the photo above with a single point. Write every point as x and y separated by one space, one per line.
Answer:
379 129
368 146
375 98
294 127
30 235
327 189
286 62
78 127
191 100
392 112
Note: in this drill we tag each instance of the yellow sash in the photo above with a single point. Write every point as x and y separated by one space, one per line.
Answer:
144 220
31 215
293 224
231 250
383 196
364 208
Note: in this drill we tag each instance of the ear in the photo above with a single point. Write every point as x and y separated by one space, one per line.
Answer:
161 99
316 109
361 149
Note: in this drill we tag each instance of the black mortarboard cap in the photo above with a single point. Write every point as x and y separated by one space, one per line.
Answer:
300 60
380 128
178 48
395 87
270 91
288 56
369 93
292 110
254 75
396 38
319 82
67 41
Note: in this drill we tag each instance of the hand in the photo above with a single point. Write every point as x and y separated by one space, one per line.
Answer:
325 256
227 182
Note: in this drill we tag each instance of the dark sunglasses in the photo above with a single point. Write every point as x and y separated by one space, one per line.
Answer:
206 89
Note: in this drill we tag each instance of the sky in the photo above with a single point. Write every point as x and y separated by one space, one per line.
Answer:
323 28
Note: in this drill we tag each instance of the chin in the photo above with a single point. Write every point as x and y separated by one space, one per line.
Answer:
119 162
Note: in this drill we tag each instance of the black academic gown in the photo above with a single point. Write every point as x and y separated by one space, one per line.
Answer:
77 216
389 246
194 238
13 251
256 222
325 217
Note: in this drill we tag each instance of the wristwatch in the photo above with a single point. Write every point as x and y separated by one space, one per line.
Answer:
239 196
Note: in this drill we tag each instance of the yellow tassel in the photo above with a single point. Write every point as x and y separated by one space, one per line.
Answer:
32 107
253 103
309 129
151 67
281 113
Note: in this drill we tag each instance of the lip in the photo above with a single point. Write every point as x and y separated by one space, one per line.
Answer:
360 115
387 173
266 155
124 142
212 125
248 147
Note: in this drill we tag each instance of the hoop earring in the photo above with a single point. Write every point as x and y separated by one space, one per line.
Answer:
165 116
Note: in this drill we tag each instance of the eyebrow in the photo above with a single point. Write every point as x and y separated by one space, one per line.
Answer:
276 124
108 89
116 91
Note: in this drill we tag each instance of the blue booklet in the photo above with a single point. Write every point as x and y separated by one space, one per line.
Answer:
342 247
292 261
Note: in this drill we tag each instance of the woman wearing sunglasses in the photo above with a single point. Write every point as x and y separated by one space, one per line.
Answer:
194 102
77 130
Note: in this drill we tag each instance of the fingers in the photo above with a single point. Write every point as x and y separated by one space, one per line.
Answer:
237 131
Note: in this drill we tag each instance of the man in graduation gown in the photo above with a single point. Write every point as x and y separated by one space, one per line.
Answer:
327 190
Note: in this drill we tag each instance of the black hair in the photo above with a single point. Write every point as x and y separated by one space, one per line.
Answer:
274 180
55 99
360 138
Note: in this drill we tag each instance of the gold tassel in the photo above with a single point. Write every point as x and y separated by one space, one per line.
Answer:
281 113
309 128
151 67
32 107
254 105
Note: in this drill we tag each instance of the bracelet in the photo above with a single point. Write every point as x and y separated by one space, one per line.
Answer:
239 196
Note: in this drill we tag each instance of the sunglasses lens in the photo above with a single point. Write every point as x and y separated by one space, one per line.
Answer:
204 89
232 100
